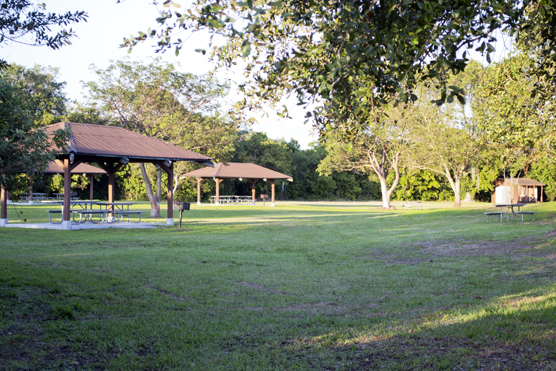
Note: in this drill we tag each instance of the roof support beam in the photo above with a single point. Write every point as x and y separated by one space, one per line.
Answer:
66 213
168 167
199 180
218 181
273 188
253 195
3 206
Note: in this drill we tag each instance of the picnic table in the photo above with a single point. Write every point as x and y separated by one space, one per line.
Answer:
37 196
85 209
238 200
505 211
416 204
120 209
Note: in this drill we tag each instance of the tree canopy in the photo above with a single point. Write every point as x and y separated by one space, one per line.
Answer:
350 56
157 100
22 148
23 21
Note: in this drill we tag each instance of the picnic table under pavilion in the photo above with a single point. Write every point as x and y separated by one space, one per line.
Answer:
110 147
236 170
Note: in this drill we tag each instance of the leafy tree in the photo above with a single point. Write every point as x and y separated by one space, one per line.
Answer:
45 98
419 185
257 148
156 100
23 149
213 135
349 56
448 139
545 171
85 113
35 27
377 149
509 112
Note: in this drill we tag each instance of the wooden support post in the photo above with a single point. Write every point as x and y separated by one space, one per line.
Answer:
66 220
542 194
199 180
111 192
253 195
3 207
168 168
91 179
272 187
181 213
170 195
218 181
30 199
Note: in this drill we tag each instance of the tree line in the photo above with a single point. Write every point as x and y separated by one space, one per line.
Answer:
414 151
397 100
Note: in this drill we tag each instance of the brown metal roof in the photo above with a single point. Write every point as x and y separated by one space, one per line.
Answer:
525 182
114 141
237 170
79 169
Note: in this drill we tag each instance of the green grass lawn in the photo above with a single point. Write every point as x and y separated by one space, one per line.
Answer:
302 286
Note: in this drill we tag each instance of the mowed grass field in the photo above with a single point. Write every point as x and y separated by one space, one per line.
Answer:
301 286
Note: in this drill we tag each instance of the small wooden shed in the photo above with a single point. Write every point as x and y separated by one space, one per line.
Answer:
522 190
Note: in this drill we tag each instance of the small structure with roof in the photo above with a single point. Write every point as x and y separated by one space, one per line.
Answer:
53 168
111 147
522 190
236 170
85 169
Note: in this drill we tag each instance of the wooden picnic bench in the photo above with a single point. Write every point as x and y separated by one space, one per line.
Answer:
127 213
521 213
498 213
50 212
89 215
416 204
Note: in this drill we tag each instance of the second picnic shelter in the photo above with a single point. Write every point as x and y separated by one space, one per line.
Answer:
236 170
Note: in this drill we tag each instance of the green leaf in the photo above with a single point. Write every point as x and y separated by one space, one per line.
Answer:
246 48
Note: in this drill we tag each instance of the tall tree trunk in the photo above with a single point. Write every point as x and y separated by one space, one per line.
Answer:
455 183
384 192
158 185
176 179
155 206
457 191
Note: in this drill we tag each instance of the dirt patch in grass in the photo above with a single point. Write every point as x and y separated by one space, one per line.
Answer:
167 293
424 354
532 246
459 354
24 340
259 287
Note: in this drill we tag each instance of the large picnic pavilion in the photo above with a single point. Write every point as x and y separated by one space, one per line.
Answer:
111 148
236 170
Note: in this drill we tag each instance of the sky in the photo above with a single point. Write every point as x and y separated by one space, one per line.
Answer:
98 41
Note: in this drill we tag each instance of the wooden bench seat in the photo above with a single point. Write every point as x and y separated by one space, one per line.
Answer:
500 214
50 212
90 213
521 213
121 215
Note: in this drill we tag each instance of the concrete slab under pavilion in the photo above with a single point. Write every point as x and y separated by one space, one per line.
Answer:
236 170
111 148
84 226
